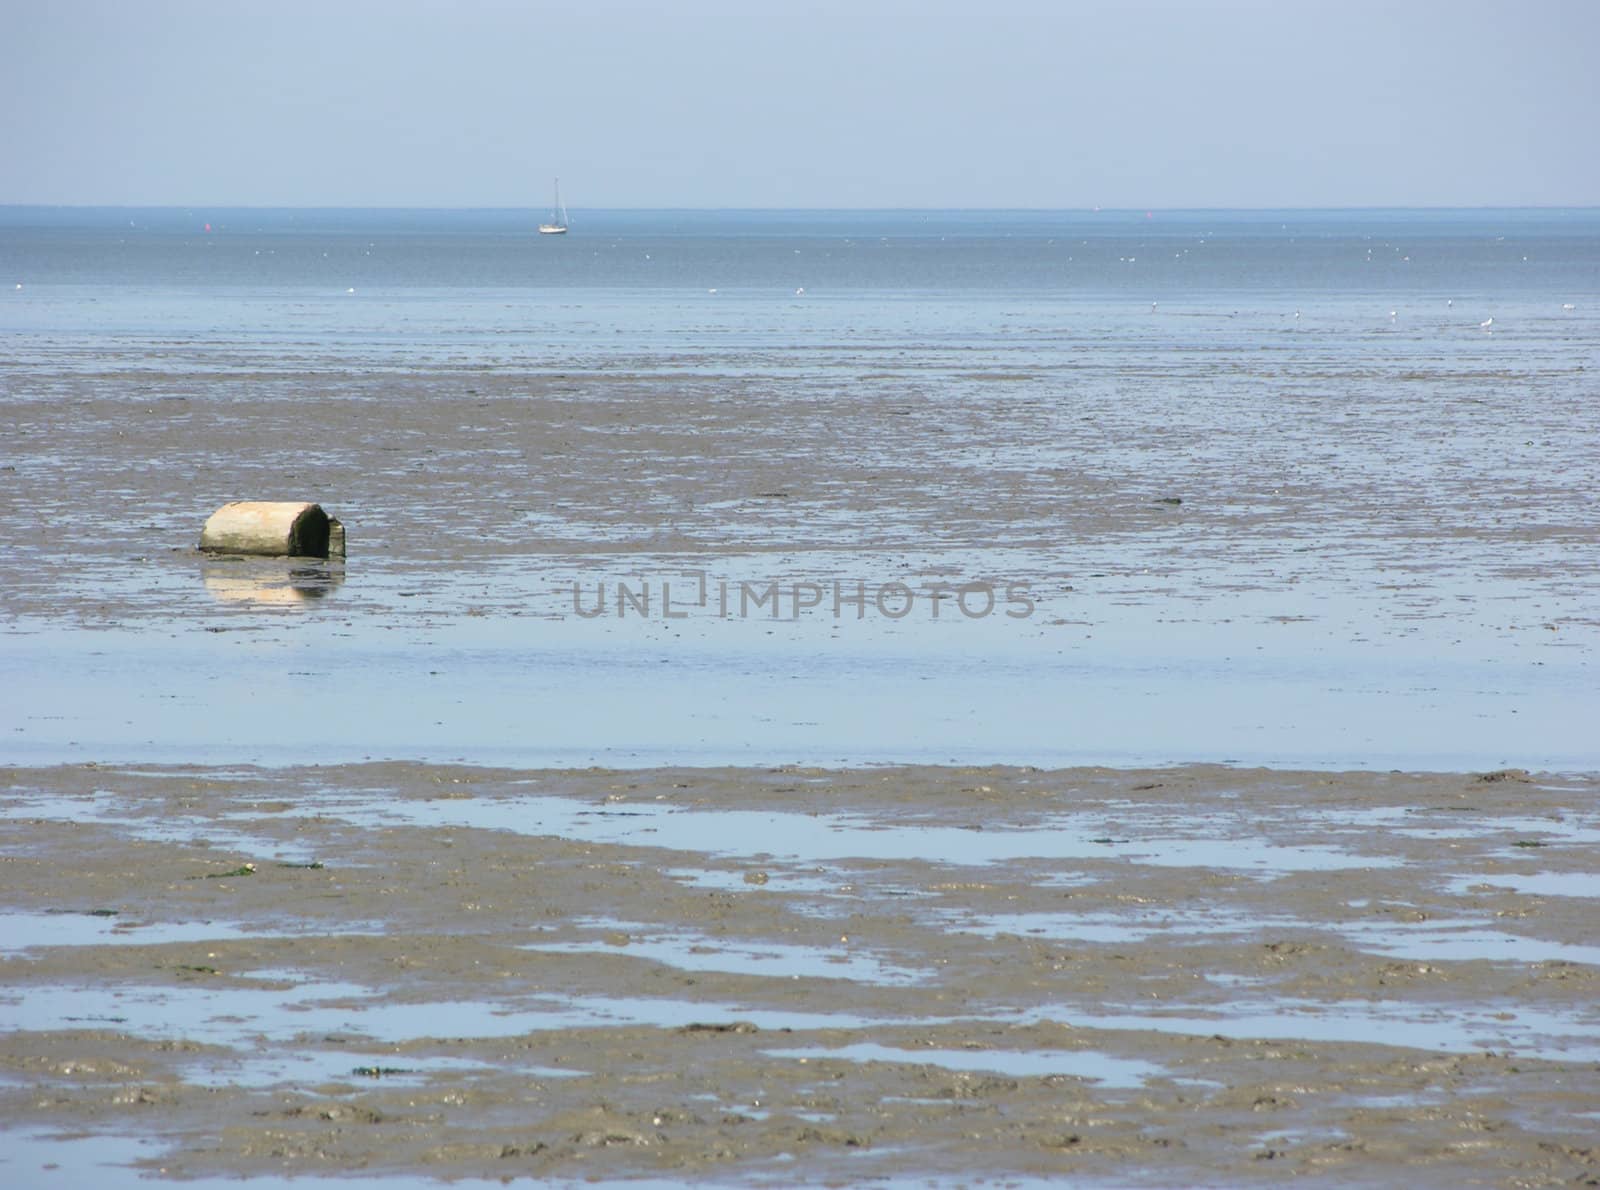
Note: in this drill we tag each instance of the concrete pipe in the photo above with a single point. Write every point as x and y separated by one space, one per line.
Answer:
275 528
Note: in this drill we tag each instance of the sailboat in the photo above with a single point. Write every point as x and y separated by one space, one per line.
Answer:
558 217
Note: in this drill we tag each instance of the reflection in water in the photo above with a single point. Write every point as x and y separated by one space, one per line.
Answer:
270 581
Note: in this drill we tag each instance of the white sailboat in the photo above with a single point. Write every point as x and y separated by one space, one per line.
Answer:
558 217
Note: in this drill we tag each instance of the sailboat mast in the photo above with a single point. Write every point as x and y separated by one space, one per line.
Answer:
558 215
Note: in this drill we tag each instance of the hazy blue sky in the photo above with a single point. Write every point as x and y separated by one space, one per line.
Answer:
841 103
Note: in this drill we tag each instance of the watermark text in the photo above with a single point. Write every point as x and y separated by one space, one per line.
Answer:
796 599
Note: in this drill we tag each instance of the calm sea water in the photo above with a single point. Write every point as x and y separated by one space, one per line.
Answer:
398 288
1226 326
1483 255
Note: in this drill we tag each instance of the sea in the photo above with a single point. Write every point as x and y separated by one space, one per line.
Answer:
1447 357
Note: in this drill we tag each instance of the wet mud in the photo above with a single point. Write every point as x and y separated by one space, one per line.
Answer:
1317 546
1174 976
1346 586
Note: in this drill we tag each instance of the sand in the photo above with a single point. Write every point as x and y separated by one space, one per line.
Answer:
1192 974
1176 976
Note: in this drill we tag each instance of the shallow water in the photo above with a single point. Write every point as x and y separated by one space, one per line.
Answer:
338 1072
1539 884
1425 942
341 680
232 1016
1378 558
1509 1028
241 1018
24 932
690 951
70 1161
112 810
1467 940
811 838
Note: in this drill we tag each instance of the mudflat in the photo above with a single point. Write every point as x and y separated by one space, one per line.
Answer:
231 947
1343 584
1180 975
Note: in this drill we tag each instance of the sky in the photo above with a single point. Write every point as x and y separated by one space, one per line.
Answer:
1046 104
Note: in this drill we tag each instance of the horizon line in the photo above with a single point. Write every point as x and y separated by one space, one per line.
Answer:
183 206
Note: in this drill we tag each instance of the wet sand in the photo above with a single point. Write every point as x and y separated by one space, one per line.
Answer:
1350 583
1175 976
1190 974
